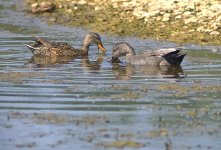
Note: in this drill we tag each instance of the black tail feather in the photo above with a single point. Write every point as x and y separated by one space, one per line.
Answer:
174 59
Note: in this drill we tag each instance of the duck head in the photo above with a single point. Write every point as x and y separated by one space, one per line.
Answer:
93 38
121 49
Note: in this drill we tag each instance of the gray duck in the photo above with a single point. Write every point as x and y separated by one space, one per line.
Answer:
46 48
167 56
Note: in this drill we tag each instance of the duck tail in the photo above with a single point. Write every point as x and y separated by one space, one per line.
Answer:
174 59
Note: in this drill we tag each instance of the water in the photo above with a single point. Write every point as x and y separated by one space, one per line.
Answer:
92 104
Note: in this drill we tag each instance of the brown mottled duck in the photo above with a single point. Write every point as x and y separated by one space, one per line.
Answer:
167 56
46 48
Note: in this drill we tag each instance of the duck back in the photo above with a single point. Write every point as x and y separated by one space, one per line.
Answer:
144 60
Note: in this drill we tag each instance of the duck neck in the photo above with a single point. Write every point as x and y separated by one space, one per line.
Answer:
85 48
129 56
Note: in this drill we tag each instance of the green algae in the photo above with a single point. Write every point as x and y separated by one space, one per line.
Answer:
125 96
26 145
181 90
52 118
18 77
122 144
193 88
163 132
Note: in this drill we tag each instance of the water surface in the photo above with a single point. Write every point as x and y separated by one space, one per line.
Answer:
90 103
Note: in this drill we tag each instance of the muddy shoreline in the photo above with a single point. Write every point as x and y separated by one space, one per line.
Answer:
185 24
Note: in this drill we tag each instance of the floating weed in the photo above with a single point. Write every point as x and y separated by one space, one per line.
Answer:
42 118
127 135
120 87
8 126
51 118
18 77
126 96
122 144
158 133
192 114
28 145
181 90
16 115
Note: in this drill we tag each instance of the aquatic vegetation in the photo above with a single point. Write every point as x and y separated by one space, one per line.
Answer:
52 118
158 133
26 145
122 144
181 90
125 96
19 76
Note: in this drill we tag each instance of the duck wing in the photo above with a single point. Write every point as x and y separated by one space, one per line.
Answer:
172 55
162 52
47 48
63 49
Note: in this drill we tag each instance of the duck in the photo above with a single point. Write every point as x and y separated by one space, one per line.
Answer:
166 56
44 47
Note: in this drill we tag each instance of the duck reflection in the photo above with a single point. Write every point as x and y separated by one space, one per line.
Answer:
92 65
127 71
45 61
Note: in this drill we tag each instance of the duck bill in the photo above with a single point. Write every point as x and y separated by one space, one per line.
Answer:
115 60
101 47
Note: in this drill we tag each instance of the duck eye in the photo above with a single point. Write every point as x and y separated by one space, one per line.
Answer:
114 50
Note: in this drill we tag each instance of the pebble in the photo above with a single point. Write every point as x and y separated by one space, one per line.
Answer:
191 30
82 2
208 30
200 29
214 33
190 20
166 17
178 17
187 14
34 5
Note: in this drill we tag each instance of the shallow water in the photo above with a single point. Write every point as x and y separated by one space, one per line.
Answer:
92 104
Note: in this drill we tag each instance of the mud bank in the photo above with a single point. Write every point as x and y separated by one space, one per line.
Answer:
196 21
